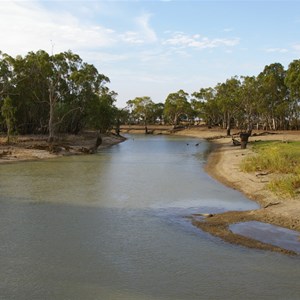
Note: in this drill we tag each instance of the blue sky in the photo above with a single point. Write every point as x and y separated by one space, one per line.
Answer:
154 48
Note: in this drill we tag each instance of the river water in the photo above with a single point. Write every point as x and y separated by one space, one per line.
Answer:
114 226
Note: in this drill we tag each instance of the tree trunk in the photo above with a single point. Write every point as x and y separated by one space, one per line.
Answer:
228 128
51 116
146 129
8 131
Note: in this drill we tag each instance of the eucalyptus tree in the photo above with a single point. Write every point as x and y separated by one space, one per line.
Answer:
8 112
102 114
248 102
205 106
122 116
31 93
177 106
274 102
6 74
7 84
157 113
84 84
142 109
292 81
60 85
227 94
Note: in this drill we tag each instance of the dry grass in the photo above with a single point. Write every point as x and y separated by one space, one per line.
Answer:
282 159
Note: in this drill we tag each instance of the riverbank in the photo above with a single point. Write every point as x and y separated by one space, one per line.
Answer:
223 164
35 147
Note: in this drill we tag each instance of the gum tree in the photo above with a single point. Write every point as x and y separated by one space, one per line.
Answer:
273 104
292 81
176 106
142 109
8 113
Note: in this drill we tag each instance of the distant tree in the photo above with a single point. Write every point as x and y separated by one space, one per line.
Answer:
292 81
122 116
177 106
274 103
205 106
8 112
157 114
248 101
142 109
6 75
227 94
102 112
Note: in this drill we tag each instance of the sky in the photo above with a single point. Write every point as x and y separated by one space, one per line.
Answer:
154 48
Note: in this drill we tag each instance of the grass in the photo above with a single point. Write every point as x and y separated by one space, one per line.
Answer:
279 158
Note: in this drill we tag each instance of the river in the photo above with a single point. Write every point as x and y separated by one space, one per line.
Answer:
115 226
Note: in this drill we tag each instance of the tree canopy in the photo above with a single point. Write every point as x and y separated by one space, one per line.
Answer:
54 93
60 93
267 101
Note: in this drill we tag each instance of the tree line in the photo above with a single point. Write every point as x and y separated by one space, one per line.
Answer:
268 101
49 94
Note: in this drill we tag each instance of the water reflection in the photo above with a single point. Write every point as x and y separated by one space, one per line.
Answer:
271 234
113 226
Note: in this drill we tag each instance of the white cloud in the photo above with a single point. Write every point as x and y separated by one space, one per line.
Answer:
26 26
296 47
132 37
182 40
147 31
278 50
228 29
143 34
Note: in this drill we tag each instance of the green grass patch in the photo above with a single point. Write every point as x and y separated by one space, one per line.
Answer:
280 158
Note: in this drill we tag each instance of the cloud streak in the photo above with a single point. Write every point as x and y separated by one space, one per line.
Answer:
276 50
182 40
143 34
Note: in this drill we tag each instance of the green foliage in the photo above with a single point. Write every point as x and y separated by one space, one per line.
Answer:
273 103
102 113
279 158
270 100
205 107
8 112
177 106
53 92
141 108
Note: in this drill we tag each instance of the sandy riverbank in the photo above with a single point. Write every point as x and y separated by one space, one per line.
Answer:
223 164
34 147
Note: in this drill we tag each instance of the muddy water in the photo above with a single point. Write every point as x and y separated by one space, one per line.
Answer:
113 226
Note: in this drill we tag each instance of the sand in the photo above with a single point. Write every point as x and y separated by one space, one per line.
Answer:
35 147
223 164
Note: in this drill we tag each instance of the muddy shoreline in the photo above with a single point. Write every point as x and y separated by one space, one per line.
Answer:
223 165
35 147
